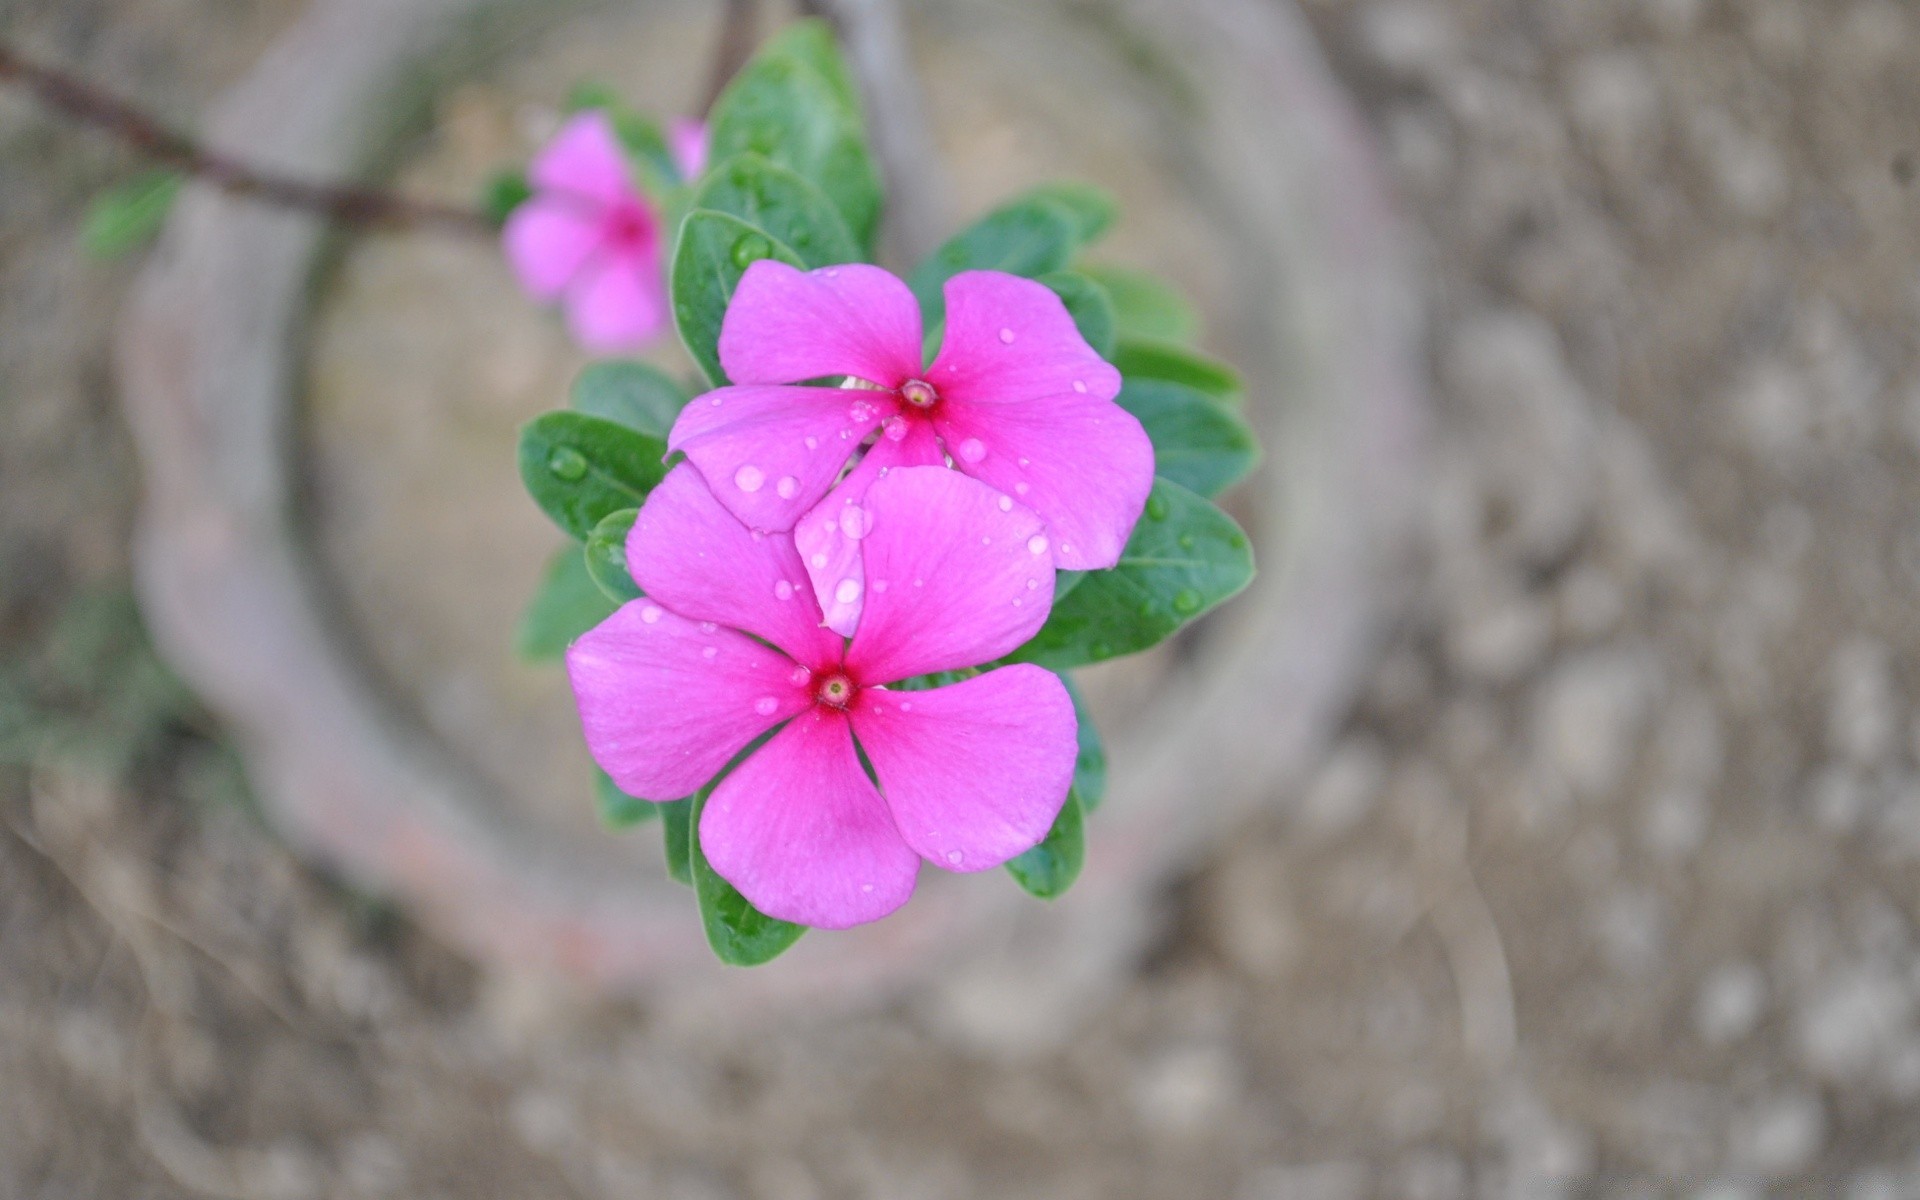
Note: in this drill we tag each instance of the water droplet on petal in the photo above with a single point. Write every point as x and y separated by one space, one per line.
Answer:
1023 461
818 560
1037 544
972 450
765 705
848 591
860 412
749 478
1016 602
1080 385
896 430
879 585
799 676
567 463
854 522
955 857
650 613
919 583
710 652
782 590
906 706
1006 336
708 627
866 887
787 488
715 401
1032 584
1006 504
812 443
1022 488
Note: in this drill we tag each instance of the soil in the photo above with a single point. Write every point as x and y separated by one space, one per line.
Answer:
1608 887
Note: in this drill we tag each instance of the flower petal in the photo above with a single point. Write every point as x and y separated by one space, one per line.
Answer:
584 159
975 772
800 830
770 453
957 575
688 553
687 142
547 241
617 303
1011 339
665 703
1083 463
828 537
785 325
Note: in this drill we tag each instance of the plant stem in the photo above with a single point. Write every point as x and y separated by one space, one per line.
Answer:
84 102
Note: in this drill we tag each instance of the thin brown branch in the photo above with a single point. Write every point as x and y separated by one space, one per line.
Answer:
739 31
82 101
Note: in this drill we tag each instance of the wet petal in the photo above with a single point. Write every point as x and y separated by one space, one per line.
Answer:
1010 339
800 830
785 325
974 772
967 575
665 702
617 303
770 453
1083 463
584 159
829 536
547 241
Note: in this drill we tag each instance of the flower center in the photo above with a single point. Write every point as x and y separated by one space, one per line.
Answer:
836 691
919 393
628 226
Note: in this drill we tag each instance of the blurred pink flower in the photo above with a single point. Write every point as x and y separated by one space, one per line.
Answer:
1015 398
589 238
687 142
727 644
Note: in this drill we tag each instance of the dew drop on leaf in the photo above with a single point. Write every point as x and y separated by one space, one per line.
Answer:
567 463
750 248
1186 600
1157 508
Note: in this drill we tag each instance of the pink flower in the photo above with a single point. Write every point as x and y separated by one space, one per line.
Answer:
687 142
589 238
1015 398
727 644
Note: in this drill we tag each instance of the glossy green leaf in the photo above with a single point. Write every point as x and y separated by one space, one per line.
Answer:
714 250
567 604
606 557
1174 363
579 468
1050 868
1145 305
638 395
1198 443
1027 237
784 205
812 42
1090 766
617 809
126 217
795 106
503 193
1088 305
1185 556
740 934
676 829
1093 209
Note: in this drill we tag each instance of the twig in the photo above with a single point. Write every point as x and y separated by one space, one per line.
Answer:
81 100
739 29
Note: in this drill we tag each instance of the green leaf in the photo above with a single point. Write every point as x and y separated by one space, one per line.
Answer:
714 250
590 93
506 191
1025 237
1184 557
794 104
647 151
740 934
617 809
782 204
126 217
1088 305
1093 209
1198 443
568 604
1145 305
606 557
1050 868
812 42
1174 363
580 468
1090 767
636 394
676 828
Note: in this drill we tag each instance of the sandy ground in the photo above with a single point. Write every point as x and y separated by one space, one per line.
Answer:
1608 887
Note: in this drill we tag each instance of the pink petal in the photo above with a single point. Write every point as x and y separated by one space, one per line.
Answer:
828 537
584 159
975 772
785 325
665 702
687 142
957 575
800 830
547 241
770 453
617 303
1011 339
689 554
1083 463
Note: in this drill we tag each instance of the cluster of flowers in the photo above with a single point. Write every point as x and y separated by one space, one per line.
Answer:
852 528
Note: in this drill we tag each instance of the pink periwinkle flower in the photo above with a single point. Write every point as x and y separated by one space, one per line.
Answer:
589 238
727 644
1015 398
